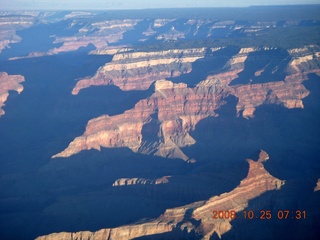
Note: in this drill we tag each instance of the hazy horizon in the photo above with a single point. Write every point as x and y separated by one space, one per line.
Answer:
137 4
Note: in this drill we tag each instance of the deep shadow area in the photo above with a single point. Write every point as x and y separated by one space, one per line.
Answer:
264 66
134 35
210 64
76 193
291 138
43 41
45 117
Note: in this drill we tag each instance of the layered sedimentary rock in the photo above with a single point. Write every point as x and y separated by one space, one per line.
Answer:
9 83
140 181
8 26
167 116
304 59
174 109
196 217
288 92
160 124
317 187
138 70
100 34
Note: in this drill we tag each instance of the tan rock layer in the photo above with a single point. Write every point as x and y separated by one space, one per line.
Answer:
9 83
256 183
138 70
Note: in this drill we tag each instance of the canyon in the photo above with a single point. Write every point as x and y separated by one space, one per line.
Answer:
135 124
138 70
9 83
196 218
160 125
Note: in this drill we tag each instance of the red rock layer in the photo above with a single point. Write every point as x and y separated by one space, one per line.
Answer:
177 108
8 83
256 183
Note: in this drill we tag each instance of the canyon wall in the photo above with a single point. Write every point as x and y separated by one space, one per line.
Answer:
317 187
140 181
196 217
158 125
138 70
9 83
161 124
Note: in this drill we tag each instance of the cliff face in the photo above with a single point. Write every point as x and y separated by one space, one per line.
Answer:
135 181
138 70
104 33
9 83
160 124
317 187
196 217
8 26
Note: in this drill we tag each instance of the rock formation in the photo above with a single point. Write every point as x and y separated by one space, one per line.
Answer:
196 217
100 34
317 187
138 70
8 26
169 115
9 83
160 124
140 181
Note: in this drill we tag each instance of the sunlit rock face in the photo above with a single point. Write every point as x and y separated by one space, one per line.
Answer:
9 83
169 115
317 187
138 70
140 181
196 217
8 26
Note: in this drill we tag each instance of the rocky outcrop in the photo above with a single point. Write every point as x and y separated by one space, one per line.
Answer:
161 124
174 110
9 83
158 125
196 217
317 187
288 93
138 70
140 181
304 59
100 34
9 24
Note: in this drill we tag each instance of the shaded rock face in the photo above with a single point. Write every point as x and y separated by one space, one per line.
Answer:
9 83
161 124
195 218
